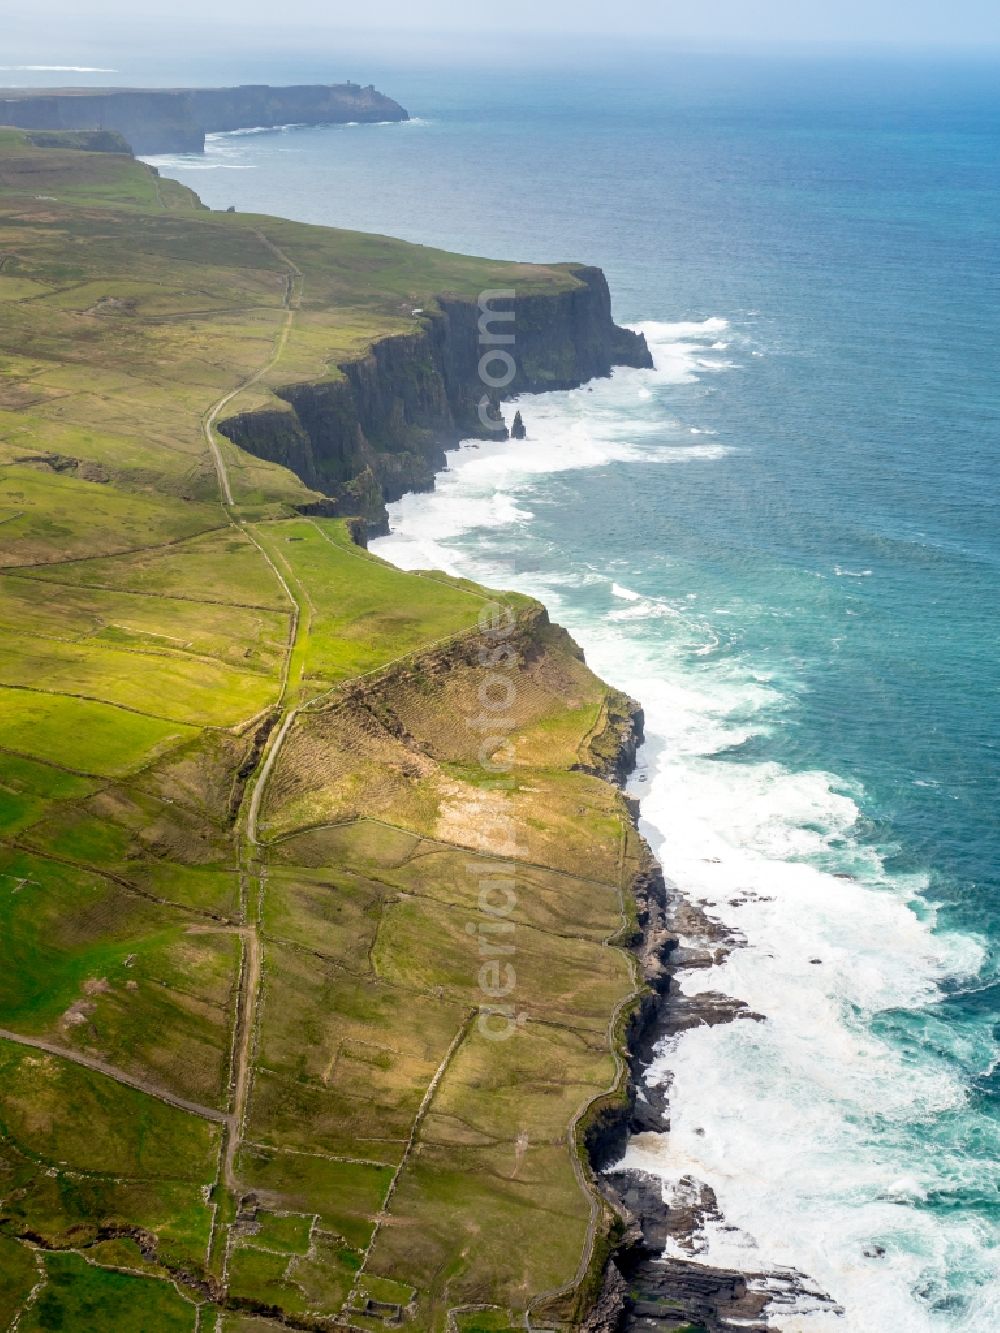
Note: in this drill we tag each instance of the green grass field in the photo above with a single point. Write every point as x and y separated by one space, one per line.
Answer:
79 1295
244 824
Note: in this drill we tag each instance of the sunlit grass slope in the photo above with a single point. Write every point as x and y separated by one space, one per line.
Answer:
242 816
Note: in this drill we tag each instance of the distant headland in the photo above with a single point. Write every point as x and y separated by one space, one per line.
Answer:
176 120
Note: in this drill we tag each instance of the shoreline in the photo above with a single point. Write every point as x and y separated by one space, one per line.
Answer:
781 1269
643 1287
639 1286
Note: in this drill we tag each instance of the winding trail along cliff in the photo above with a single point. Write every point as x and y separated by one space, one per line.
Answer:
176 120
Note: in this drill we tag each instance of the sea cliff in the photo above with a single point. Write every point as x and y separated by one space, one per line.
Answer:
176 120
379 425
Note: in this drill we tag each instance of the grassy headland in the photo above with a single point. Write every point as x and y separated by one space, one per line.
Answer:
243 818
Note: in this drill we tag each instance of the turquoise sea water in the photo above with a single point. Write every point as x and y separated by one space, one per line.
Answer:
784 541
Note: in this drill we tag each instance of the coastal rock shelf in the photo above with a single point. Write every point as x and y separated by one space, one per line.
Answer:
176 120
657 1280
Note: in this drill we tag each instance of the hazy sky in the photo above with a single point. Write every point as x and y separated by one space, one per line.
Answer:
899 22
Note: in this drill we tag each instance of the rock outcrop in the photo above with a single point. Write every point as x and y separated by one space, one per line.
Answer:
657 1279
380 426
673 1293
176 120
655 1276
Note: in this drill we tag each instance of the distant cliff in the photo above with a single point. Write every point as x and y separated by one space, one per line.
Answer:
380 426
176 120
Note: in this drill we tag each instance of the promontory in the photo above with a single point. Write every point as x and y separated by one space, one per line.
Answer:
176 120
318 894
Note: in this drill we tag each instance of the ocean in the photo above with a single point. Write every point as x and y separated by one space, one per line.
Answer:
784 542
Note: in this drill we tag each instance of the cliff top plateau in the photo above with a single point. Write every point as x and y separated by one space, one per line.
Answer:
254 849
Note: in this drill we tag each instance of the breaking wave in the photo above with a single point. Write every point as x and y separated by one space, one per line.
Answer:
809 1126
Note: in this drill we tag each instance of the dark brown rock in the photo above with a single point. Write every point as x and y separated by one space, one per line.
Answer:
382 427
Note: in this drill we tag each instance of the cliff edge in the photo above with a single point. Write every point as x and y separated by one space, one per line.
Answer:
378 424
318 899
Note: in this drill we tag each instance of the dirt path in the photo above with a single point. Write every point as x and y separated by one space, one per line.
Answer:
263 773
250 989
252 967
119 1076
291 302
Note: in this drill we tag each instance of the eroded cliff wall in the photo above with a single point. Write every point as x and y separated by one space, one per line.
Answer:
380 426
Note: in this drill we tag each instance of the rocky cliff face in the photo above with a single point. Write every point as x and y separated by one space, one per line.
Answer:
381 426
656 1280
176 120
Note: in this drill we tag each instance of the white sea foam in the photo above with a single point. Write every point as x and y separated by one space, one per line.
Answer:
224 150
165 162
802 1124
657 330
679 348
220 136
779 1117
570 430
